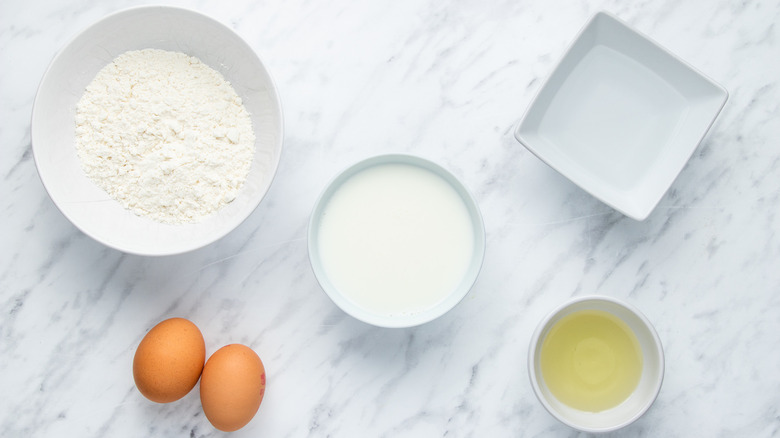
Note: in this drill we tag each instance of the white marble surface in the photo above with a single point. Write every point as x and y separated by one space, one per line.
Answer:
449 81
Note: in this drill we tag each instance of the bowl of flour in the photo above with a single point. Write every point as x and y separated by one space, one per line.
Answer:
157 130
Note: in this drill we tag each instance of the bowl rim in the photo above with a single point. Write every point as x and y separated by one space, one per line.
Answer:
272 89
472 272
534 374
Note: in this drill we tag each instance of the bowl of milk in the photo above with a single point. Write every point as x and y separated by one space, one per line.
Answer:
396 240
596 363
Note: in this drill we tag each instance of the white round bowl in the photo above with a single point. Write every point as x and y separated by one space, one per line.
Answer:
649 383
407 319
89 207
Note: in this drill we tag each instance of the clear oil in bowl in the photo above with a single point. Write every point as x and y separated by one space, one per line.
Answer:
591 360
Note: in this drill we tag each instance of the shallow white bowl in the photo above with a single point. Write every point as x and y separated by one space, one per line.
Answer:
405 320
649 384
620 116
86 205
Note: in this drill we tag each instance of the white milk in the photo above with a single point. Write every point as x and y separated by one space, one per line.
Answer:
396 239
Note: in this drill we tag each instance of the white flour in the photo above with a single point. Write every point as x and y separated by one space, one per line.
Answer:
165 135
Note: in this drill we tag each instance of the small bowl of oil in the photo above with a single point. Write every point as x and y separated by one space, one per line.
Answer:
596 363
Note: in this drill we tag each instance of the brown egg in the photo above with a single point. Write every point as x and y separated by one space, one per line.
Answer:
169 360
232 387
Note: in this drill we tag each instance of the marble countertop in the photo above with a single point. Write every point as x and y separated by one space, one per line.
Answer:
449 81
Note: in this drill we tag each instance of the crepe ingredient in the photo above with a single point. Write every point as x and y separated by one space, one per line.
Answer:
591 360
232 387
169 360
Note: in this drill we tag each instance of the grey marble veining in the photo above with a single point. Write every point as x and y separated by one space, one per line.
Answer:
448 81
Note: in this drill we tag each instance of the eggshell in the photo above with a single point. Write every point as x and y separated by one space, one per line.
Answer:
169 360
232 387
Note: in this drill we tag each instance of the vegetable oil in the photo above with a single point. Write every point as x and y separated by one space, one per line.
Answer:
591 360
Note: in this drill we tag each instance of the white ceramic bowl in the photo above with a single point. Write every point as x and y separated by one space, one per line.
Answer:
406 319
620 116
86 205
649 384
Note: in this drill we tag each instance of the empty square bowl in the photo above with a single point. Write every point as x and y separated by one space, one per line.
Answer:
620 116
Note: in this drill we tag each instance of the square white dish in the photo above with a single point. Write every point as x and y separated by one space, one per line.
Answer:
620 116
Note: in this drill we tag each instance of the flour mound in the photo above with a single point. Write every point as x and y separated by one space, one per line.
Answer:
165 135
